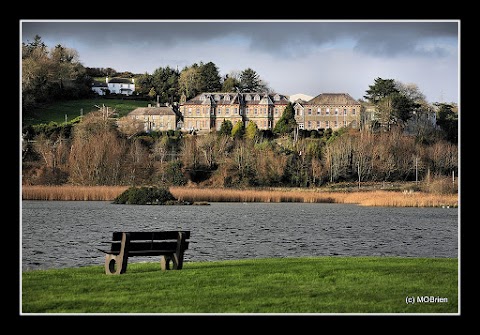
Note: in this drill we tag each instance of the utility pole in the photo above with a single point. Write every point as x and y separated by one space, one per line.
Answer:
358 171
416 170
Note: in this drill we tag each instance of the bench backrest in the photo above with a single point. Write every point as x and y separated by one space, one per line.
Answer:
160 241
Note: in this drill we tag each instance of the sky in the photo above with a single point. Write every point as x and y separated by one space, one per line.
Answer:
291 56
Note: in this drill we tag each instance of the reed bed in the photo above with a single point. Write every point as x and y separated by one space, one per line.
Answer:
363 198
72 192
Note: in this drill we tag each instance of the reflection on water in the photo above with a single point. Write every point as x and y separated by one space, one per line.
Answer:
61 234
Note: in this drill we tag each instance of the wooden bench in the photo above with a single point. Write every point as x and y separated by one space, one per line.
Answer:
170 245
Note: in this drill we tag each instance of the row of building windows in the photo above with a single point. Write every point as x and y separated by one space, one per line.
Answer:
324 111
219 111
326 124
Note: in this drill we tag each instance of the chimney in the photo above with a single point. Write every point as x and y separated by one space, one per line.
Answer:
158 100
106 79
133 80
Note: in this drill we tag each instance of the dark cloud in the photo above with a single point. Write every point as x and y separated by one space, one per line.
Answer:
285 38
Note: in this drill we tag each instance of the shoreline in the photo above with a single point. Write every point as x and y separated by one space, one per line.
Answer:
375 197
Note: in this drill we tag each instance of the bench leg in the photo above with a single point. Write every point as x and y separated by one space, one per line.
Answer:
115 265
119 261
165 262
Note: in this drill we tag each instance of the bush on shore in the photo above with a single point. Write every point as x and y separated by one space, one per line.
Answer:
146 195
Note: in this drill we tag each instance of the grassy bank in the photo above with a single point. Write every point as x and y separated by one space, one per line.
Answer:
288 285
72 108
365 198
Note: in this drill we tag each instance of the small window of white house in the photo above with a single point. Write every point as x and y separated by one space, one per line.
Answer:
301 126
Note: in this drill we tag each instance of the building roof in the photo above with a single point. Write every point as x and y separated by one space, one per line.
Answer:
333 99
226 98
119 81
162 110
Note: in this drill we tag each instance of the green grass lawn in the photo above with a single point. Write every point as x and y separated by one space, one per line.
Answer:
277 285
56 111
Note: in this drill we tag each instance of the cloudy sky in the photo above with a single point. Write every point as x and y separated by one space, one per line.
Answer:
301 56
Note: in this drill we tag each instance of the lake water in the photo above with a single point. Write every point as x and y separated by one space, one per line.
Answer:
64 234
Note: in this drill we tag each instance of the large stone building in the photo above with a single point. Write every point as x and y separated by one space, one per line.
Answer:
206 111
328 110
159 118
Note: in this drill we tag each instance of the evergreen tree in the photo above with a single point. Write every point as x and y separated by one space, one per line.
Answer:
287 122
210 78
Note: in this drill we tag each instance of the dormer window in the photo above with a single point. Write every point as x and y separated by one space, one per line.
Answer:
227 97
217 97
276 97
256 97
248 97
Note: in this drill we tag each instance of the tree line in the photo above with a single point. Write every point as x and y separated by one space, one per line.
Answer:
50 74
93 150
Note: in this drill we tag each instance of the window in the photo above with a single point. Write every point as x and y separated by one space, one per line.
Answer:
212 111
227 97
309 111
198 111
276 97
309 125
327 111
235 110
300 112
255 111
336 111
344 111
246 111
318 124
189 111
327 124
301 126
256 97
335 124
319 111
219 111
248 97
344 123
276 111
353 111
227 111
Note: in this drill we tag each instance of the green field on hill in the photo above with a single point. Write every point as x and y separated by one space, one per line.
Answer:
72 108
278 285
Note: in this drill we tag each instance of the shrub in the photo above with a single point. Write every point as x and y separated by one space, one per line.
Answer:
145 196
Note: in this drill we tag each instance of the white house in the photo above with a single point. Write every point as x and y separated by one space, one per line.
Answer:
123 86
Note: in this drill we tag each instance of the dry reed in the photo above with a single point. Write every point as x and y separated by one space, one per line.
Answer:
364 198
71 192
